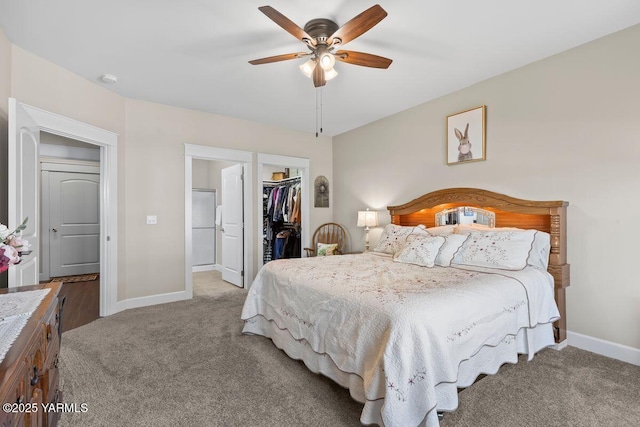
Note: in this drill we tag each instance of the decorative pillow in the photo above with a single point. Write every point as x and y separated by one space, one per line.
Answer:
420 250
507 250
539 256
393 238
326 249
452 243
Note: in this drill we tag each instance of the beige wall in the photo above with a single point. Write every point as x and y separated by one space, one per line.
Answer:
5 90
563 128
42 84
5 73
156 134
151 161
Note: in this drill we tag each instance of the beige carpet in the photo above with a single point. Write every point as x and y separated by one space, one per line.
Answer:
187 364
210 284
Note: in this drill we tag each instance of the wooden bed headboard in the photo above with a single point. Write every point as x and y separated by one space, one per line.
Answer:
548 216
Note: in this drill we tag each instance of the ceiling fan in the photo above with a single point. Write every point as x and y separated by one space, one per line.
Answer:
322 36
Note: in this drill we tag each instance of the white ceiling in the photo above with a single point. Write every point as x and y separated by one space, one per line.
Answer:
194 53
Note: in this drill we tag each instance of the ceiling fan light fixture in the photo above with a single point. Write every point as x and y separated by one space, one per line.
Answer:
329 74
327 61
308 67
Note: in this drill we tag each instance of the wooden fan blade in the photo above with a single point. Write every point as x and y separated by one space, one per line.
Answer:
278 58
287 24
363 59
359 25
318 76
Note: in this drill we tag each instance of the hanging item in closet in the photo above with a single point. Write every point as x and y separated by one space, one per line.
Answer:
282 203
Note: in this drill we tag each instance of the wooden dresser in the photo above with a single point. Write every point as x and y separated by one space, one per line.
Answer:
29 371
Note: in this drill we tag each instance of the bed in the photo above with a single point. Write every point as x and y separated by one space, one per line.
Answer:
404 327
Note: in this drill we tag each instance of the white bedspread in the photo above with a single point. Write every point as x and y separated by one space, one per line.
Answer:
402 329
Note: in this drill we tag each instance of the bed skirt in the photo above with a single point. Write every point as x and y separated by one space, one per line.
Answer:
486 361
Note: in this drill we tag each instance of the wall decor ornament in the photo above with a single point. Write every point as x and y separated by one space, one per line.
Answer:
321 192
466 136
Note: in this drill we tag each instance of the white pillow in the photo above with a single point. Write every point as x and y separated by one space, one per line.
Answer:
393 238
452 243
420 250
442 230
541 245
507 250
541 249
468 228
420 230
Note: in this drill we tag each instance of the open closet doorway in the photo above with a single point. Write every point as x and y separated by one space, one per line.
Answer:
283 191
228 172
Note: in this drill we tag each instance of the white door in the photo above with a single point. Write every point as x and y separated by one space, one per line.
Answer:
74 220
24 142
232 225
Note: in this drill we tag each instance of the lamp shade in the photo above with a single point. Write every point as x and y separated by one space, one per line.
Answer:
308 67
367 218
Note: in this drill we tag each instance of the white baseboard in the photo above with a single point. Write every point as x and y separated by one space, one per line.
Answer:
210 267
201 268
150 300
560 346
604 348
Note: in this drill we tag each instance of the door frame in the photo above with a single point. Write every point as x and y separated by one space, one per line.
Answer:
204 152
287 162
108 143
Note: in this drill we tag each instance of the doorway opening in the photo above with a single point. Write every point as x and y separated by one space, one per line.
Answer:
269 167
70 224
69 208
230 173
25 125
217 256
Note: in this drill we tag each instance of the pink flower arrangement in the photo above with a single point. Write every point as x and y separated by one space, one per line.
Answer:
11 245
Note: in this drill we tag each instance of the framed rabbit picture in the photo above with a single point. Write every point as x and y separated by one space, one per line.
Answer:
466 136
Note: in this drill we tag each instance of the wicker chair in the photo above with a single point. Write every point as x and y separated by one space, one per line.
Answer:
328 233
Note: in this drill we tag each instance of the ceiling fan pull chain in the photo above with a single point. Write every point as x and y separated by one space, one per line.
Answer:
320 109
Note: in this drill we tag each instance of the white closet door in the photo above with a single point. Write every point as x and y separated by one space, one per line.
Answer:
233 225
204 227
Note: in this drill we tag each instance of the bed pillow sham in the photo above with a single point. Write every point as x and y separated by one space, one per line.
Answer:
394 237
420 249
541 244
506 250
452 243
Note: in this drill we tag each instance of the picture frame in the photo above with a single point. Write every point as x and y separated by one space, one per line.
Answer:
466 136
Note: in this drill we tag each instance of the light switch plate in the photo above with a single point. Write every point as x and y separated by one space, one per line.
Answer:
152 219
